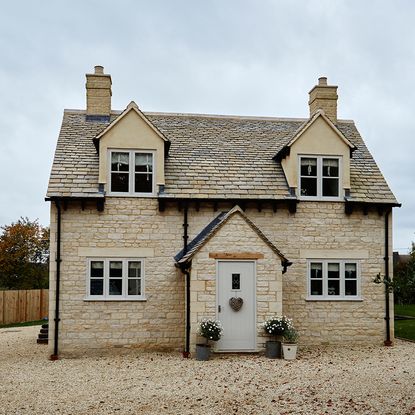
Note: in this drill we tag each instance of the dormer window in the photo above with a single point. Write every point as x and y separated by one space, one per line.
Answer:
131 173
319 177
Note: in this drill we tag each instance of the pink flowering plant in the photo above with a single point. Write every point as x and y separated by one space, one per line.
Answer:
278 325
210 329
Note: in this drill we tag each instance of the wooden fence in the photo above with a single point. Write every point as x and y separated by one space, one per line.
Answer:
18 306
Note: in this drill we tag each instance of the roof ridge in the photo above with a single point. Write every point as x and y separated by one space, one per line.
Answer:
203 115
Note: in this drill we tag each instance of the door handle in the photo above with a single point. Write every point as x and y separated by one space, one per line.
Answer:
219 308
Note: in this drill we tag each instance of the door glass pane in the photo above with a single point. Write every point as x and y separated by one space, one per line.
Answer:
330 187
115 287
236 281
316 287
97 269
134 287
350 287
96 287
115 269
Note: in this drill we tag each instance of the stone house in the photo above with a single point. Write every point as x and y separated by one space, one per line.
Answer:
159 219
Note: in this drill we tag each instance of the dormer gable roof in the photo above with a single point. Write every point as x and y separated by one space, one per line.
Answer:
132 106
210 230
303 128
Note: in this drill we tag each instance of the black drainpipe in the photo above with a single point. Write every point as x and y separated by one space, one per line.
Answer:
55 356
388 341
186 271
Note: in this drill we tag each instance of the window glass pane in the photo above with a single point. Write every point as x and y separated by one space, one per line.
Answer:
119 161
115 269
115 287
144 162
316 270
330 187
119 182
134 287
350 287
350 271
333 270
96 287
134 269
333 287
97 269
330 167
316 287
308 166
308 186
143 183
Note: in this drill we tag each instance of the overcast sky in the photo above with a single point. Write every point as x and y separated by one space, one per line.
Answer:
222 57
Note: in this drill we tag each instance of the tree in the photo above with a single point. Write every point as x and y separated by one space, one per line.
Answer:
24 255
404 280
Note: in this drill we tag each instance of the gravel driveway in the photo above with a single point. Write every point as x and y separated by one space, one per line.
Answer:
342 380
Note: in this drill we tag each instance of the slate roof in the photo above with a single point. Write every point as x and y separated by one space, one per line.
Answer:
210 156
208 231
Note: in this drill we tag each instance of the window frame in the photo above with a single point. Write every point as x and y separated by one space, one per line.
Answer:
131 172
106 296
320 177
342 264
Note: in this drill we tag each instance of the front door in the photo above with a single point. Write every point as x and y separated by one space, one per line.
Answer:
236 280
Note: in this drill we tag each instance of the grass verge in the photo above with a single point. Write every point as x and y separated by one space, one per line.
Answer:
26 323
405 329
405 310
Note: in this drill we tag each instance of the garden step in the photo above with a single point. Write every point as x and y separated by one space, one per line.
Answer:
44 331
45 326
42 341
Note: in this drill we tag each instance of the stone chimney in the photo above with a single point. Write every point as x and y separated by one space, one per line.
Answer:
324 97
98 92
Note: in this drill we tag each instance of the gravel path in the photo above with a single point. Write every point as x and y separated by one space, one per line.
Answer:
369 380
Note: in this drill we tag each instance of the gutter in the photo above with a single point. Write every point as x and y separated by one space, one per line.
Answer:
388 341
55 355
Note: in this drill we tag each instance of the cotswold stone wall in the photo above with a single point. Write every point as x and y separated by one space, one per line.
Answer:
158 322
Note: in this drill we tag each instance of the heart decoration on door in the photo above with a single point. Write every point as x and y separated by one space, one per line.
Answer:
236 303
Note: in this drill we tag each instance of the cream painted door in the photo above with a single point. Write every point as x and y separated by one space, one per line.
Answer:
236 279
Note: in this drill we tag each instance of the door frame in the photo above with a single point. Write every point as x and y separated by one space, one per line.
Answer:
218 261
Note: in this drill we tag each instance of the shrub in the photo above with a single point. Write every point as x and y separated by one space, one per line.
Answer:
210 329
277 325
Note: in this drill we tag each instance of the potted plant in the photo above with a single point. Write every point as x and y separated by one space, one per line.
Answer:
275 327
211 330
289 346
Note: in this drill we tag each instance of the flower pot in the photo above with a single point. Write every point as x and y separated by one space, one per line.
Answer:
202 352
273 349
289 351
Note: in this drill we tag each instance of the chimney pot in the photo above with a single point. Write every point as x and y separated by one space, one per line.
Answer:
322 80
99 69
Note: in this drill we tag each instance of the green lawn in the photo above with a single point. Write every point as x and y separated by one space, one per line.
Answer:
27 323
405 328
405 310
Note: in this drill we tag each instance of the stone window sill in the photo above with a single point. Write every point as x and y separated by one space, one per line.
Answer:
331 299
